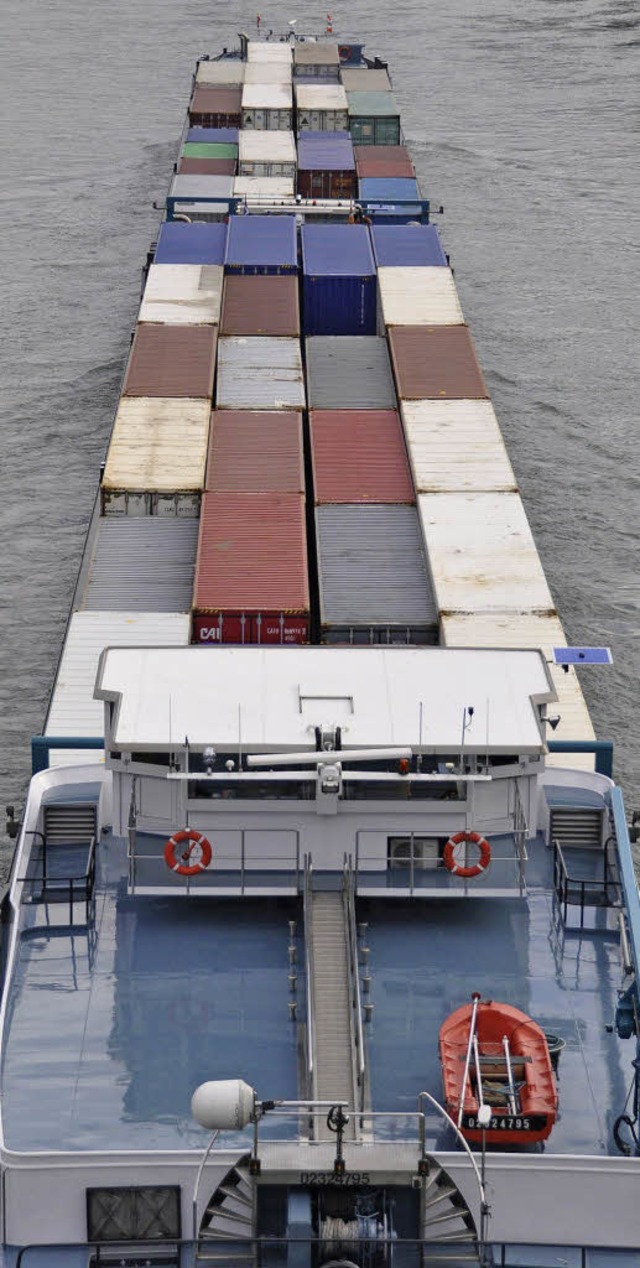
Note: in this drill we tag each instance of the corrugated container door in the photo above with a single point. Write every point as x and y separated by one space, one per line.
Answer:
372 576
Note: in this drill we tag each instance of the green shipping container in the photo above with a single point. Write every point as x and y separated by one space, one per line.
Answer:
202 149
374 118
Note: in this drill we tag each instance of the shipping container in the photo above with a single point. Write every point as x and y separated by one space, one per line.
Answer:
255 452
482 555
208 150
372 576
362 79
456 447
141 565
321 107
407 246
435 362
393 196
339 289
267 106
258 51
359 456
197 188
171 361
267 73
264 188
213 107
316 61
251 580
326 165
413 296
207 167
261 244
374 118
527 630
180 243
344 372
383 160
73 710
183 294
157 458
259 373
255 306
266 154
227 73
212 136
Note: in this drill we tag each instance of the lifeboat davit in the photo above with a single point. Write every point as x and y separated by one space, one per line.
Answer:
495 1055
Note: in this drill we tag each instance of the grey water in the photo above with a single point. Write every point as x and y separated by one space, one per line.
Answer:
523 119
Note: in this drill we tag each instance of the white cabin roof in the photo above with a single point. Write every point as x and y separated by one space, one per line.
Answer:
273 698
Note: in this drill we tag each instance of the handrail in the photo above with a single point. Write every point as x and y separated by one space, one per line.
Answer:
85 881
348 897
309 960
467 1061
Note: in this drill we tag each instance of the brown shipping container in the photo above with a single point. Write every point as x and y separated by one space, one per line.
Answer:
374 160
359 456
255 452
251 569
260 306
207 167
216 107
172 361
325 184
435 363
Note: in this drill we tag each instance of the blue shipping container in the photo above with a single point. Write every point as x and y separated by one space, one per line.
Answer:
325 152
406 246
261 244
391 196
213 136
339 283
198 243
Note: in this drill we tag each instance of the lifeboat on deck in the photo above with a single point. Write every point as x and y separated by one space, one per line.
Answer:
494 1055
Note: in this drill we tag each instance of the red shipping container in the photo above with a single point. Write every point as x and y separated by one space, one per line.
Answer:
213 107
260 306
323 184
277 628
435 363
171 361
252 563
359 456
383 160
255 452
207 167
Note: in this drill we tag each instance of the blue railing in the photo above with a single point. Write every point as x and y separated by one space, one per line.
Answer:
416 208
41 746
603 750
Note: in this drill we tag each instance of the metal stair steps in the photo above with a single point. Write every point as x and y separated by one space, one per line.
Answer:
580 826
333 1058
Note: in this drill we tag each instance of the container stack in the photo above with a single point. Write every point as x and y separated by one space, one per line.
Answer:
251 580
415 283
339 289
326 165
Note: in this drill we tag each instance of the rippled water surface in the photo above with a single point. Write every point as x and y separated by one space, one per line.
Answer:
523 120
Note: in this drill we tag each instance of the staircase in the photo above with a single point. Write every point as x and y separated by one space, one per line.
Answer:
448 1227
333 1056
70 825
227 1227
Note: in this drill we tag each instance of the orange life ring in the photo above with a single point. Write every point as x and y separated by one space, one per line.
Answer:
345 52
451 862
178 860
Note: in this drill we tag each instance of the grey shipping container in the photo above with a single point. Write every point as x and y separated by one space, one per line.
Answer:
349 372
141 565
372 576
260 373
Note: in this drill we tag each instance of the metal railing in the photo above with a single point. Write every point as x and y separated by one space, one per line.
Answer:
520 829
61 888
375 872
355 1001
576 891
309 962
243 867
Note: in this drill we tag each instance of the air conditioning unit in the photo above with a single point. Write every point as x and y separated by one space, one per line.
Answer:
425 852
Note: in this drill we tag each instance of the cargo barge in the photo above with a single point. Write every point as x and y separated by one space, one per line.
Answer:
317 763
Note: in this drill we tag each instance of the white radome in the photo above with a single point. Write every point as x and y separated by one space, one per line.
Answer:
223 1104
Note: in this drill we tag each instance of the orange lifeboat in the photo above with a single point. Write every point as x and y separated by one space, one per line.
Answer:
495 1055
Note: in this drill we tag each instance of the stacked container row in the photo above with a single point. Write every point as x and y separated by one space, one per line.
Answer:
326 165
339 288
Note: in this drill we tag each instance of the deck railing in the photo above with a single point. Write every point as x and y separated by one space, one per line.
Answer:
582 891
309 960
357 1046
78 888
240 870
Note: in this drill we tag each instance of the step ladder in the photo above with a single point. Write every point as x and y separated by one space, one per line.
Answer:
333 1066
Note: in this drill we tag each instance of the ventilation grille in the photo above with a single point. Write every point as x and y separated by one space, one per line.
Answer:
70 825
581 828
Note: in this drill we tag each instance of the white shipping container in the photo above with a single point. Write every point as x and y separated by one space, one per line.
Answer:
183 294
418 297
263 187
201 186
158 450
322 107
259 373
73 710
227 73
481 552
523 630
267 72
266 153
258 51
456 447
267 97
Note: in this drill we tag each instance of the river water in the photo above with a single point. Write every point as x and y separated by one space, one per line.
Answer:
523 119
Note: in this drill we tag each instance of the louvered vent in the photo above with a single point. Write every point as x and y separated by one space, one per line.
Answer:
69 825
577 827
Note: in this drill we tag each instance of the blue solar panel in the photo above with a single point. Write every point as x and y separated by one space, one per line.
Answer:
582 656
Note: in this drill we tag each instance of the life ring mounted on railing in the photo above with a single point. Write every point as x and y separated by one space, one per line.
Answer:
192 860
451 854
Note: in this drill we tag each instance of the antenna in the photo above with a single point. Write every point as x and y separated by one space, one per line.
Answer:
239 737
467 718
170 745
419 757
